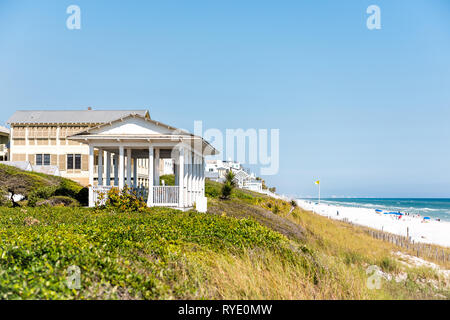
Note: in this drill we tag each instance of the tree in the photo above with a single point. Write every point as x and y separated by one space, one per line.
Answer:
229 185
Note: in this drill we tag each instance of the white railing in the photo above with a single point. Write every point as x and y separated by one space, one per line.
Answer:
166 195
100 190
163 196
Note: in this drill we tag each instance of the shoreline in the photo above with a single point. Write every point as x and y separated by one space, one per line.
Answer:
433 232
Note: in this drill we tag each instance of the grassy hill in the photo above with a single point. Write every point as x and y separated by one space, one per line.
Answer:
248 247
39 188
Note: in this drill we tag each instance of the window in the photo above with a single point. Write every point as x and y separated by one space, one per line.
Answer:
78 161
43 159
74 161
46 159
69 161
39 159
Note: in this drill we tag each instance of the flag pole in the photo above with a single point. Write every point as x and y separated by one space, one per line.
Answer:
319 192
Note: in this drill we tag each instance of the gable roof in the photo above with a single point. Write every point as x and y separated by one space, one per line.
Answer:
72 116
128 116
175 133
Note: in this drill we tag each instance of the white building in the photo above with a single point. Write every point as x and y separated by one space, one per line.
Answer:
136 137
216 170
102 149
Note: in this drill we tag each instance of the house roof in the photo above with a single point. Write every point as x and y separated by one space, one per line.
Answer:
23 165
72 116
51 170
175 134
4 130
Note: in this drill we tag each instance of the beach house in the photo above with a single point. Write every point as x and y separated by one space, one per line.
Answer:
106 148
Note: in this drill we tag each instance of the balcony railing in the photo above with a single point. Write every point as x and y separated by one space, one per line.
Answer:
166 196
163 196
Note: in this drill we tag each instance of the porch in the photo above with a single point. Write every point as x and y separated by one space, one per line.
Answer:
128 153
119 167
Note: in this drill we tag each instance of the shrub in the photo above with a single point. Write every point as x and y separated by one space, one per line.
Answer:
227 189
61 201
42 193
83 196
229 185
169 179
125 200
276 209
4 197
212 189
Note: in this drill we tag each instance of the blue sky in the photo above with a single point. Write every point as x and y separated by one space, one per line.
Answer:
367 112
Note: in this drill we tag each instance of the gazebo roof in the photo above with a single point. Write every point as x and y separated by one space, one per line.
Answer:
135 127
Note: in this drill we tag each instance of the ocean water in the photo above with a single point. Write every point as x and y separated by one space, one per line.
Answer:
433 208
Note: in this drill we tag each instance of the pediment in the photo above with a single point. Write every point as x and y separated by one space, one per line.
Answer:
133 126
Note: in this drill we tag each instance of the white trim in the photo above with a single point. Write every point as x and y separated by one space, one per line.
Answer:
150 177
121 167
181 177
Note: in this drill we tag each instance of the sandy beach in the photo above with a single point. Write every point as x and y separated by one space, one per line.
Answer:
436 232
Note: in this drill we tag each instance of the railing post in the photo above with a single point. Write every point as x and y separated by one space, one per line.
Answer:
91 176
150 177
181 178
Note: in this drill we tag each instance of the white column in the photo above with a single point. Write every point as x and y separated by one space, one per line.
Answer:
129 167
121 166
100 167
187 176
180 172
195 177
91 176
157 167
150 177
135 177
203 176
191 178
116 169
108 168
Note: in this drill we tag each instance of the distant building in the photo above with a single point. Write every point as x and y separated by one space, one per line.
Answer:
217 170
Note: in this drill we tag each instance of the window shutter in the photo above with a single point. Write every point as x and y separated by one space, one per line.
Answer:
62 162
31 159
53 160
84 162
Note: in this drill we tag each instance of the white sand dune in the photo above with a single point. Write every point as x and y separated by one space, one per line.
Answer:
436 232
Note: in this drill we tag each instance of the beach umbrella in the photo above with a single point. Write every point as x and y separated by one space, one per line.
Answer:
378 210
426 218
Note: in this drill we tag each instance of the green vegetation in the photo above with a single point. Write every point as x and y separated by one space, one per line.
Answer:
169 179
228 186
161 254
248 247
38 187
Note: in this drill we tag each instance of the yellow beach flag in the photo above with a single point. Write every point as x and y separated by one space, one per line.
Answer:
318 183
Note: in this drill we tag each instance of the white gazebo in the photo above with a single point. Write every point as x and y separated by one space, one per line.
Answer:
121 144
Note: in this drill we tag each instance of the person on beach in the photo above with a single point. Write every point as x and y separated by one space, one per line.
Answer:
337 213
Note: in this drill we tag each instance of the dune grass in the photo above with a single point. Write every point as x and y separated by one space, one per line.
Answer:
243 248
